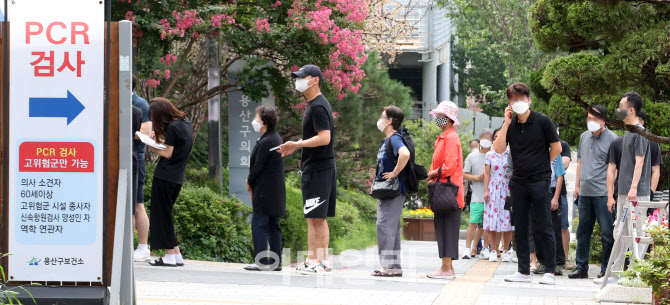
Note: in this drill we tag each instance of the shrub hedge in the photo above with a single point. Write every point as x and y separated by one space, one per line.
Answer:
209 225
215 226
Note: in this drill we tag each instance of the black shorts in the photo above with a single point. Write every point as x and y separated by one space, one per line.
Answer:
319 193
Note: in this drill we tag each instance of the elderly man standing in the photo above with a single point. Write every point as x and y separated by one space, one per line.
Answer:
591 189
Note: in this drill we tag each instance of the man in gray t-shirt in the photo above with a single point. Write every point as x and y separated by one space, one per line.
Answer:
591 189
473 171
634 174
635 153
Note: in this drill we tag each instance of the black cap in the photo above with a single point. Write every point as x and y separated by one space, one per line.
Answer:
308 70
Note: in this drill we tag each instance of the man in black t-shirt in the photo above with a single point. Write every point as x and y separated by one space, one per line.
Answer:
319 174
533 143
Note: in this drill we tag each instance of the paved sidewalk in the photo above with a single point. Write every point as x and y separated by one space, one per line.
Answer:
477 282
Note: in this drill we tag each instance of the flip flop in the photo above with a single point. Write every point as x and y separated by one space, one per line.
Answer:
252 268
160 263
386 273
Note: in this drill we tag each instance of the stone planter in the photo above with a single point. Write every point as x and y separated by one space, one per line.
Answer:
418 229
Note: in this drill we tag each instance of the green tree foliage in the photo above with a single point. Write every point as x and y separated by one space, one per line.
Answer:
356 136
494 48
613 47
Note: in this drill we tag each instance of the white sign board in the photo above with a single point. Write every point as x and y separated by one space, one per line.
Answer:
56 107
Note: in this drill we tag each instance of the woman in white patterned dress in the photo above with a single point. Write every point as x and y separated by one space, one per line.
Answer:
496 187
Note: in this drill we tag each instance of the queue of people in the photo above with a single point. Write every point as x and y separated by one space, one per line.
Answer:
515 174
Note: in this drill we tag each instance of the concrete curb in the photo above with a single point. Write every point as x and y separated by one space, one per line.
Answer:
462 234
623 294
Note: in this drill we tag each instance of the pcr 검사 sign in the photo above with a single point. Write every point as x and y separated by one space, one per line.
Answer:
56 138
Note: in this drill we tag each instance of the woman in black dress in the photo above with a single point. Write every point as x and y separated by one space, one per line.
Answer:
267 190
174 130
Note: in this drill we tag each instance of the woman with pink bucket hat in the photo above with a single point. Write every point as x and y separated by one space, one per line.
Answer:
447 163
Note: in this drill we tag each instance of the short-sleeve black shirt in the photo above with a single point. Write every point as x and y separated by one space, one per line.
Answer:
179 134
655 152
614 156
318 116
529 143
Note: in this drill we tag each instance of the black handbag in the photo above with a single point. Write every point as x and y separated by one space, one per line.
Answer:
385 189
442 196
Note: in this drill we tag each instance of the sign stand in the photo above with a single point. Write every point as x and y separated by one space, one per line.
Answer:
83 145
628 219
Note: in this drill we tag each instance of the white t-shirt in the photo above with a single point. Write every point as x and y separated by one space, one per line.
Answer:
474 165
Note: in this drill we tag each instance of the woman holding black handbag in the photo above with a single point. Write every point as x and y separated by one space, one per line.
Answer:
445 183
390 190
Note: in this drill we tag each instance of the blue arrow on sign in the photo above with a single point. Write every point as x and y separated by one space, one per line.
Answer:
55 107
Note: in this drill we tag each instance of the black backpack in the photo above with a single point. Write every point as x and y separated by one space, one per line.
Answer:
413 172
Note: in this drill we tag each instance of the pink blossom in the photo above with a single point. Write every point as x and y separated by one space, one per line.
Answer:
262 24
167 74
153 83
168 59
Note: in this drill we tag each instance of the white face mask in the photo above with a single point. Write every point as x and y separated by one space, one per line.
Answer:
257 126
301 84
520 107
380 125
485 143
592 126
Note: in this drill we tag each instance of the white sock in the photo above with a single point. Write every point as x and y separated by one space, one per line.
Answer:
178 258
169 259
142 247
468 251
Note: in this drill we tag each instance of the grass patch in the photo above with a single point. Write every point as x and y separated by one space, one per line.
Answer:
366 237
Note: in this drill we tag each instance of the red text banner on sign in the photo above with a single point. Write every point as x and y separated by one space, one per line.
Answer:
73 157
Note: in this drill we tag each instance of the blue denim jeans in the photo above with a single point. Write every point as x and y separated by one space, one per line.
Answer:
590 210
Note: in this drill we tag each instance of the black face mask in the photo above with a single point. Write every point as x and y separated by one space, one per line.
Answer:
621 114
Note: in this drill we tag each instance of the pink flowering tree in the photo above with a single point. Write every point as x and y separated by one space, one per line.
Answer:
274 36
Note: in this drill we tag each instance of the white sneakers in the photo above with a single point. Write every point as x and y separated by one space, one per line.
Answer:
485 253
505 257
519 278
493 257
548 279
466 254
142 255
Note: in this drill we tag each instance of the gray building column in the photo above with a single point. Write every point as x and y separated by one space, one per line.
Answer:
444 87
429 95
